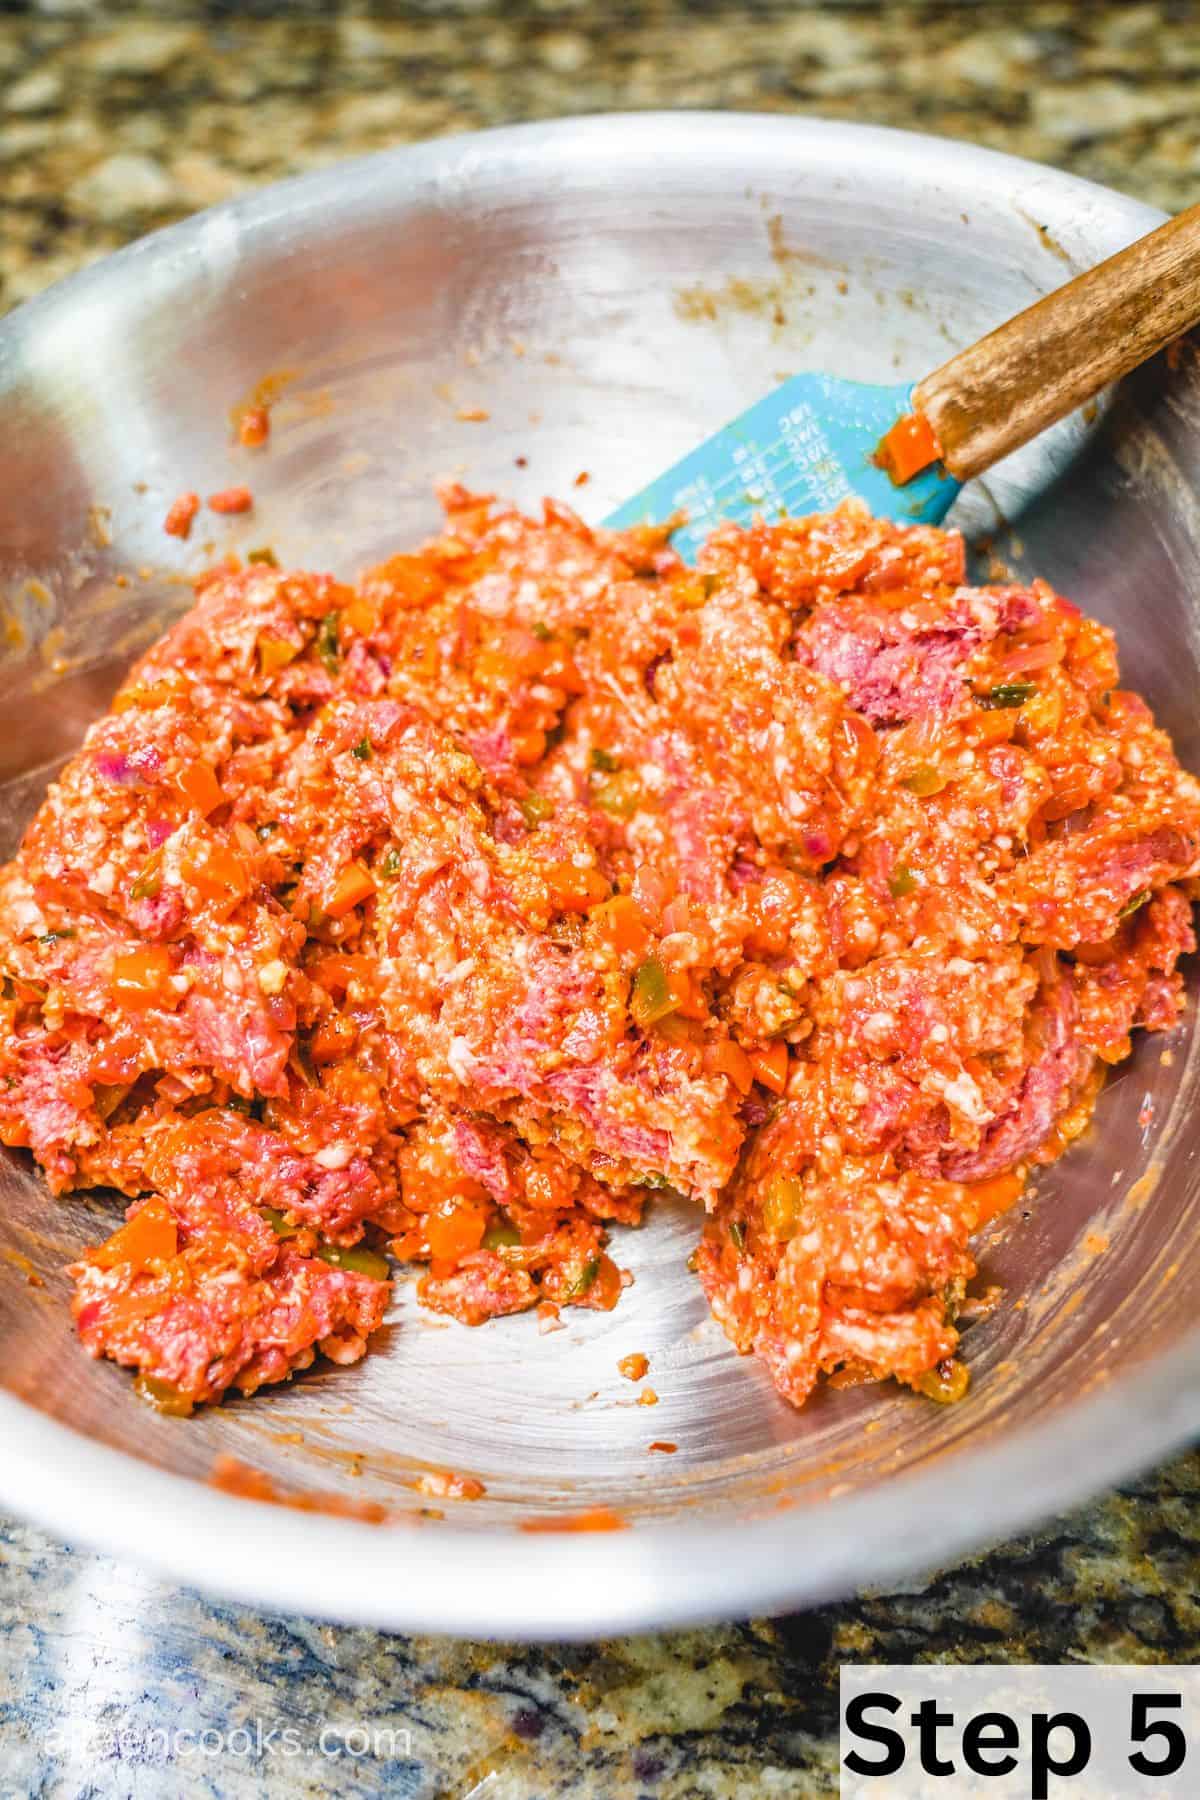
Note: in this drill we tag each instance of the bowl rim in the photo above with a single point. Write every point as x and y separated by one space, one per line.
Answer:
494 1580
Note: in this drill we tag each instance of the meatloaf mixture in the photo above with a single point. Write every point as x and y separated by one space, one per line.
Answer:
449 916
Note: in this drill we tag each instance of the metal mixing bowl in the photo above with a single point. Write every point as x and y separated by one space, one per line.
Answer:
608 290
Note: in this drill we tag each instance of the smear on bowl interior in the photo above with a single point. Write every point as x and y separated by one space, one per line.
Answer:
446 917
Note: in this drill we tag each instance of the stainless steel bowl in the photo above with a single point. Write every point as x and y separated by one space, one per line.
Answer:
607 290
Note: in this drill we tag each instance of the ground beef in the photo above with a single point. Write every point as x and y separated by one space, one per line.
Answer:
451 915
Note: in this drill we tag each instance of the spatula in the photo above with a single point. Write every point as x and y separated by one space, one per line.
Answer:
907 450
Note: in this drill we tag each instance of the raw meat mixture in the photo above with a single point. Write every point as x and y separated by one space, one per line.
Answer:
453 914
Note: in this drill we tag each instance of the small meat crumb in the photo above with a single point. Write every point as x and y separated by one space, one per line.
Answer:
446 1484
254 427
668 1449
231 500
635 1366
647 1397
178 522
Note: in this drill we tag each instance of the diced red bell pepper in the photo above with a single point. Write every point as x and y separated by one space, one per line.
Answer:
148 1236
142 977
354 885
910 446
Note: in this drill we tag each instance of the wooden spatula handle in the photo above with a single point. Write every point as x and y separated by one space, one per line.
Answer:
1053 357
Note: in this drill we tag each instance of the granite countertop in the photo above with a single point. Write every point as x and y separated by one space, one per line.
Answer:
113 121
99 1663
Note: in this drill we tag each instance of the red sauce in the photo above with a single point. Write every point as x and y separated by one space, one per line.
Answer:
592 1518
234 1477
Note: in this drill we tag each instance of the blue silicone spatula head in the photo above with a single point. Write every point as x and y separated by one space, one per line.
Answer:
802 449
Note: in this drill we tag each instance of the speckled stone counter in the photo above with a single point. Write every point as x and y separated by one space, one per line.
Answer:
112 1685
114 121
